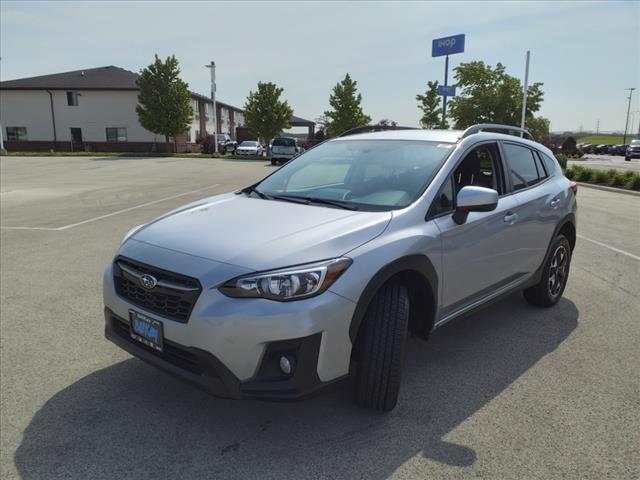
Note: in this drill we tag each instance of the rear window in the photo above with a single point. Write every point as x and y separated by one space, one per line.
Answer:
284 142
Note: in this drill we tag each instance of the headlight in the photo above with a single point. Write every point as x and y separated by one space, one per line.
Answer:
131 232
288 284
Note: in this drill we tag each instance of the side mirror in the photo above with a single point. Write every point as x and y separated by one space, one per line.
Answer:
474 199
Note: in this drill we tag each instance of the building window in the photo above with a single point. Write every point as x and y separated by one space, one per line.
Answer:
194 107
116 134
187 134
72 99
16 134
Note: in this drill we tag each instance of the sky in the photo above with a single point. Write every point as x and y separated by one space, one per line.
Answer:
585 53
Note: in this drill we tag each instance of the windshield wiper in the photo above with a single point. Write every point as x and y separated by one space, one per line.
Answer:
253 189
326 201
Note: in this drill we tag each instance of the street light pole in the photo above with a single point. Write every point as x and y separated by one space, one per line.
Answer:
212 66
626 123
524 93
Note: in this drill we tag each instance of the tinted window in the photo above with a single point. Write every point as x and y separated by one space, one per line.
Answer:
443 202
522 166
542 172
550 163
284 142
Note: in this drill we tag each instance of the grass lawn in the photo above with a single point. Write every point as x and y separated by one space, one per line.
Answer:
606 139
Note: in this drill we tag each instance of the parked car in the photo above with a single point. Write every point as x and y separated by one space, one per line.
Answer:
283 149
250 147
618 150
226 144
586 148
633 150
601 149
322 269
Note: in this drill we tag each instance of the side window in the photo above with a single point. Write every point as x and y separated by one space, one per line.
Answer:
443 202
542 171
481 168
549 163
522 166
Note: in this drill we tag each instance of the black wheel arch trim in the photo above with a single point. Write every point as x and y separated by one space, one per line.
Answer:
569 218
417 263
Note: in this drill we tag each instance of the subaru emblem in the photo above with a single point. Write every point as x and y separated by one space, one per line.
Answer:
148 281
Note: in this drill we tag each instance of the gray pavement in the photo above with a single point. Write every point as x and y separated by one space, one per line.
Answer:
605 162
512 392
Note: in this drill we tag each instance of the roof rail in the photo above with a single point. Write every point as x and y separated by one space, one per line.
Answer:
494 126
374 128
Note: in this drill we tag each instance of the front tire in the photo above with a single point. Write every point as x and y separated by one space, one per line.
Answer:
380 348
554 275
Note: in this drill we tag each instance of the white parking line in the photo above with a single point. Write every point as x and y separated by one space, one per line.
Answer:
613 249
118 212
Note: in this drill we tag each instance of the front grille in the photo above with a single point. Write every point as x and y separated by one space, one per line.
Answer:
172 353
173 297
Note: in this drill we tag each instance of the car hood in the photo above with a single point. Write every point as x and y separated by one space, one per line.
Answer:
262 234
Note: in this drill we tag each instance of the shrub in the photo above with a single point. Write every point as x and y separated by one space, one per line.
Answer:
562 160
598 176
614 178
633 182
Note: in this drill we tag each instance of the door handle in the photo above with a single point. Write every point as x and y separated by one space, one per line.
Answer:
511 218
554 203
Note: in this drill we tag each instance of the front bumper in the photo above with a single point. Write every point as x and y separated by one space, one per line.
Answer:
632 154
204 370
228 345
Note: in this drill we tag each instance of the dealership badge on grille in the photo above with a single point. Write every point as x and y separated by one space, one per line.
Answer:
148 281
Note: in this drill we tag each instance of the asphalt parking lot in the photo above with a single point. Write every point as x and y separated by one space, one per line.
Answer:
605 162
512 392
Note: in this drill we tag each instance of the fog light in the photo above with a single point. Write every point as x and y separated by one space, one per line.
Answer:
286 364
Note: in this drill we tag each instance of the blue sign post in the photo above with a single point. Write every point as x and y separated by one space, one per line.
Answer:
447 46
447 91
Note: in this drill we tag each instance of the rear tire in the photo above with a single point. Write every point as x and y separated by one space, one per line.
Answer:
554 275
273 162
380 348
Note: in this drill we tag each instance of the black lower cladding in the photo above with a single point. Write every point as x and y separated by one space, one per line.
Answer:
205 371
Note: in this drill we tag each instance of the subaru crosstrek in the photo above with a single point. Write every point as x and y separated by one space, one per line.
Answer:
319 271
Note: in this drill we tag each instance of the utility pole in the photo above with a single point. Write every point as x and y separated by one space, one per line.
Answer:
212 66
626 123
524 92
597 126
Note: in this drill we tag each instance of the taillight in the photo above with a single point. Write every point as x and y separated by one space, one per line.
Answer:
574 187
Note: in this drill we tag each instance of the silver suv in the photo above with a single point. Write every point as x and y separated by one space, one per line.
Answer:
318 272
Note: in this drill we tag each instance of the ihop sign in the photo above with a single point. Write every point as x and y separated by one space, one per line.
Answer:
447 45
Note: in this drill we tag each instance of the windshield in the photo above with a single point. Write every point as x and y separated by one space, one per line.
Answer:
284 142
370 174
635 142
249 144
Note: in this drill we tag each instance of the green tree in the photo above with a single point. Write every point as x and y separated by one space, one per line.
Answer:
164 100
569 146
429 104
385 122
538 127
265 114
347 109
490 95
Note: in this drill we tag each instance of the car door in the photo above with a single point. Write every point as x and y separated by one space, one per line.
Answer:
478 256
538 200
